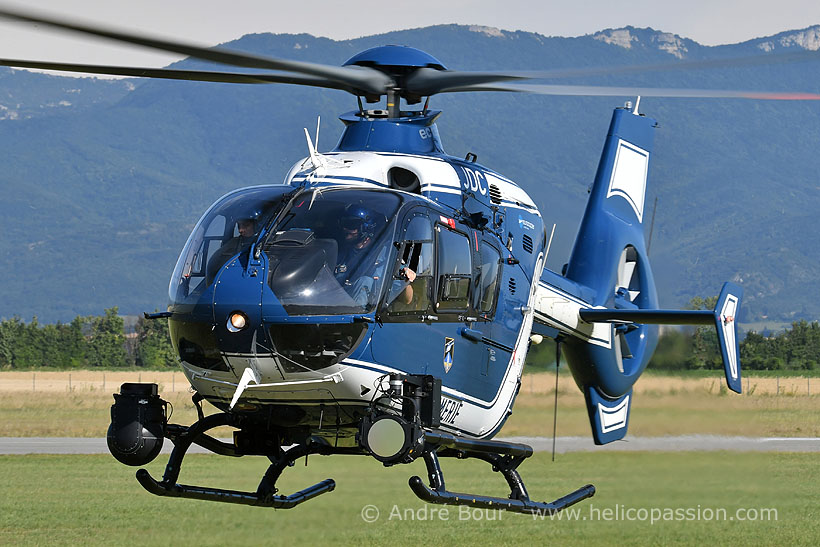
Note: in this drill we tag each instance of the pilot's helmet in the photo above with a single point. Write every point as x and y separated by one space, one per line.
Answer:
358 222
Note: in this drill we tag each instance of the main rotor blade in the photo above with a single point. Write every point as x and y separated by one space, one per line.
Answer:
362 78
429 81
173 74
611 91
726 62
426 81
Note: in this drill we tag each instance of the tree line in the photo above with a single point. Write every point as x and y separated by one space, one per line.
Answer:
85 342
101 342
797 348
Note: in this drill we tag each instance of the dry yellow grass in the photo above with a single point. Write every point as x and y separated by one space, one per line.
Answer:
659 385
677 406
77 404
536 383
87 380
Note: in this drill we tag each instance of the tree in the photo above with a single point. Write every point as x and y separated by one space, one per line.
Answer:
154 344
106 347
705 351
7 337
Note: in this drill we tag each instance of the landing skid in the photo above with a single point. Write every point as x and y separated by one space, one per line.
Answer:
265 495
390 438
504 458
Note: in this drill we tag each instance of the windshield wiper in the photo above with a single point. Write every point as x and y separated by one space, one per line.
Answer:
276 220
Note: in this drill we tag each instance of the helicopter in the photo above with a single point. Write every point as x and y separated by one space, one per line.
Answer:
381 300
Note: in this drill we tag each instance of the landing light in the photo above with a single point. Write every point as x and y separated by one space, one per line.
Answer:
237 321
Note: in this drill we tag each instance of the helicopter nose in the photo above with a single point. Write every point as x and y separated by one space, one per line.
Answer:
237 302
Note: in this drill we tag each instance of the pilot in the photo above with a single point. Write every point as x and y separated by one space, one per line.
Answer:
358 229
357 270
246 230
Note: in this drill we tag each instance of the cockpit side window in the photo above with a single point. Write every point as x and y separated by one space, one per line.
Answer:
412 281
454 271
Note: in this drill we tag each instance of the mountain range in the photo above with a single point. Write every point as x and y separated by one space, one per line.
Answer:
102 180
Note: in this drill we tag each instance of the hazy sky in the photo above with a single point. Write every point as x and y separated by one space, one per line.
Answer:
209 22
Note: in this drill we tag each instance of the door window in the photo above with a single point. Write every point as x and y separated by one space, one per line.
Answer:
413 273
487 279
454 271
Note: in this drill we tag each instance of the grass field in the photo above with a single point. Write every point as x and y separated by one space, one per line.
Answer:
68 500
693 497
52 404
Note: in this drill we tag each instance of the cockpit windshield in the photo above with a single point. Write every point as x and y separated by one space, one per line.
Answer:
228 228
329 252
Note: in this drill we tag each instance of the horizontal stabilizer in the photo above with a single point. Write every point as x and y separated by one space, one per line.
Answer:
723 317
609 418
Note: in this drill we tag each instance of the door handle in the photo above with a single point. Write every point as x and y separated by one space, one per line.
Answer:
471 334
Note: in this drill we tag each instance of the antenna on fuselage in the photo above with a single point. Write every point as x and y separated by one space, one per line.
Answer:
651 227
555 409
315 157
547 252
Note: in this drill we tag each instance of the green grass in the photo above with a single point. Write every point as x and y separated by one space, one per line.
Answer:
66 500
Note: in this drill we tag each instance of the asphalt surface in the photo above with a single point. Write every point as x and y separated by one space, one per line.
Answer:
57 445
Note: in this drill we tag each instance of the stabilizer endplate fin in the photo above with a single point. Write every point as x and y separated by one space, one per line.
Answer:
726 310
609 418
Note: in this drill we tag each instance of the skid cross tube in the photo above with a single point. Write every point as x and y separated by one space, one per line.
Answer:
504 457
263 497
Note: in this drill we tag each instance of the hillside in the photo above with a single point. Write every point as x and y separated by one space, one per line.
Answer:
100 194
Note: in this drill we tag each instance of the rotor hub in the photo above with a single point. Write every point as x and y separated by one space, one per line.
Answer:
392 59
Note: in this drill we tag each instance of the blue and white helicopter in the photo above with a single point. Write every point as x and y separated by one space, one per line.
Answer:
382 299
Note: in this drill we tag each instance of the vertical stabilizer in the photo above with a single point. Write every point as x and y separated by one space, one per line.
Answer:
609 257
613 220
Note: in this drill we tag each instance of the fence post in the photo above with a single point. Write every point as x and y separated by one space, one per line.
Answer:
778 385
103 381
33 386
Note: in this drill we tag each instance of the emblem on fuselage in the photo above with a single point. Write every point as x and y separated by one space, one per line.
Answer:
449 348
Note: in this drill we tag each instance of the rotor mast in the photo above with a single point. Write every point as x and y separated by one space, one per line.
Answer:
394 102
